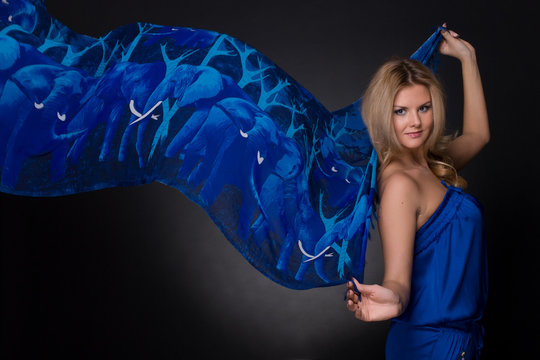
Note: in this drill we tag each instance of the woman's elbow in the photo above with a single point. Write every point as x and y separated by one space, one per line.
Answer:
485 138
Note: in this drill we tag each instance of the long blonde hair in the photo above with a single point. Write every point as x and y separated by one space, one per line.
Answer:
377 112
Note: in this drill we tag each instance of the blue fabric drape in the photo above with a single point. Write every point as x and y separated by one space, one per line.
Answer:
449 285
289 183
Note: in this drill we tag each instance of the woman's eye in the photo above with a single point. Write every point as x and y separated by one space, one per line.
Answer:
423 108
399 111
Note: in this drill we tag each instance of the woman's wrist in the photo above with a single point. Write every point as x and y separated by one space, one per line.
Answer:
469 60
468 57
401 295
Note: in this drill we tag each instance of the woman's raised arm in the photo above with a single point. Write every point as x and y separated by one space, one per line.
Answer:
475 134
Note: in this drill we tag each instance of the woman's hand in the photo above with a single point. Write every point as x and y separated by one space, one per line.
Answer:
376 303
453 45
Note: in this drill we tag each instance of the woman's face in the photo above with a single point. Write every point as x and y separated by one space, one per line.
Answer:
413 116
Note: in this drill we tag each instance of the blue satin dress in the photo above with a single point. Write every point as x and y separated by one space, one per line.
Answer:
448 286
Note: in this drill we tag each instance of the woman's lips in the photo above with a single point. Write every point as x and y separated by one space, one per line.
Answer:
414 134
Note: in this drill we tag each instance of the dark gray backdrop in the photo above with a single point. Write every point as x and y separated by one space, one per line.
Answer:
143 273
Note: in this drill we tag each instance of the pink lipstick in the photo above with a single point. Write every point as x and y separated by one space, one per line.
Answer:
415 134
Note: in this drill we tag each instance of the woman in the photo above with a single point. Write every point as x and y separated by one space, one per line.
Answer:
435 277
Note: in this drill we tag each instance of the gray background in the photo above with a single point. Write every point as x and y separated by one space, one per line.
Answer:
143 273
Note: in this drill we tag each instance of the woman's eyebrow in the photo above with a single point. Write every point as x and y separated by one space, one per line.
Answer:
405 107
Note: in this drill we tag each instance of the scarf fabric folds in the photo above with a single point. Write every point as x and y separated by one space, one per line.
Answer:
289 183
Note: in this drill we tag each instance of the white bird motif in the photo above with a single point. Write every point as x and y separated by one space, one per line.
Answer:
133 110
260 159
313 257
138 114
61 117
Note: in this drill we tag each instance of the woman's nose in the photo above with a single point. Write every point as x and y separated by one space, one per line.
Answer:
414 120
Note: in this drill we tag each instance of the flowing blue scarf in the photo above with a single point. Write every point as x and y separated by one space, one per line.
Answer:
289 183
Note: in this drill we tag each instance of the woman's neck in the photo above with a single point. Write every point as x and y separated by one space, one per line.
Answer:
413 159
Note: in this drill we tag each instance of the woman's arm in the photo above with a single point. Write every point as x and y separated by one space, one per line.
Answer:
397 226
475 133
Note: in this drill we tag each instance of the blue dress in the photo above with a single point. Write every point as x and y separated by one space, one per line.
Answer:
448 285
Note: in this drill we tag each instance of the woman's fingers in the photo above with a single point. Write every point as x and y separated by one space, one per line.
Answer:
361 288
446 30
454 45
352 297
447 33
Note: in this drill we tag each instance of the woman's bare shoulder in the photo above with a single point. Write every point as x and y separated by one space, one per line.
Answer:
395 179
399 199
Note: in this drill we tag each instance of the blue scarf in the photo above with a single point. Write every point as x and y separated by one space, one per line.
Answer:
289 183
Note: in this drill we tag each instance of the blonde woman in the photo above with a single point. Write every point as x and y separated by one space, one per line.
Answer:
435 275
